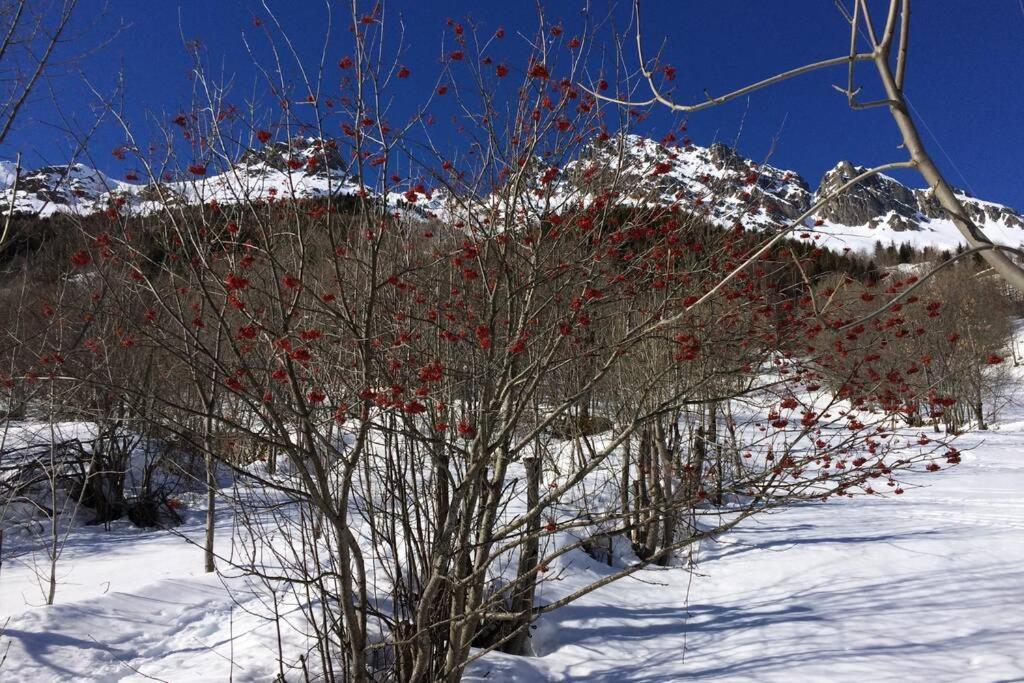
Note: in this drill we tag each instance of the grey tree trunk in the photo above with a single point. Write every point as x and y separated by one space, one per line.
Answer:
209 564
522 594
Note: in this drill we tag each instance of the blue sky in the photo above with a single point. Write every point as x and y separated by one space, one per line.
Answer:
964 77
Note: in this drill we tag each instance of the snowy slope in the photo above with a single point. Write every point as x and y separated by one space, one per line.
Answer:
881 209
714 181
130 603
924 586
911 588
728 189
74 188
938 233
303 169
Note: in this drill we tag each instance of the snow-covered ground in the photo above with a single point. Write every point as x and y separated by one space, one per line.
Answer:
936 233
927 586
924 586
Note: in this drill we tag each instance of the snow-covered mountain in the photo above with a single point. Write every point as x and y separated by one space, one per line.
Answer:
713 181
881 208
72 188
303 168
728 188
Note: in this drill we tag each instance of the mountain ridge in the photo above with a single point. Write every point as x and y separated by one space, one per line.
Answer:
716 182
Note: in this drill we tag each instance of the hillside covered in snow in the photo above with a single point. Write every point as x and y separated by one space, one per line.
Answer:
869 588
714 181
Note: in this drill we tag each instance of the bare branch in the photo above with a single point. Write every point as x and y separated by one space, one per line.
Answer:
794 224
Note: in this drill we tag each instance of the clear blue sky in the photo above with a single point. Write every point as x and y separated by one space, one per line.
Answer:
965 79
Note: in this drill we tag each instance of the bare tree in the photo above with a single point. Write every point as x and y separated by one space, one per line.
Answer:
31 34
456 373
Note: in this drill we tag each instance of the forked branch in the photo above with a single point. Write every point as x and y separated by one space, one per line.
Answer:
881 47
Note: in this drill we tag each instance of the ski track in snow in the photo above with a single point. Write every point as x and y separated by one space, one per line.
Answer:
926 586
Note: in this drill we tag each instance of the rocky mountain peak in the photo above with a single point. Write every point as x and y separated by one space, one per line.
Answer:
883 204
306 154
715 182
871 200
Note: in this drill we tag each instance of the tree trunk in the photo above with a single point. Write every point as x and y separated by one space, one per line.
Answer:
209 564
526 583
667 496
211 510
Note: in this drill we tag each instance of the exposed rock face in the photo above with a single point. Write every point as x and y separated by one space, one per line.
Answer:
298 152
300 168
714 181
869 200
885 205
980 212
72 185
